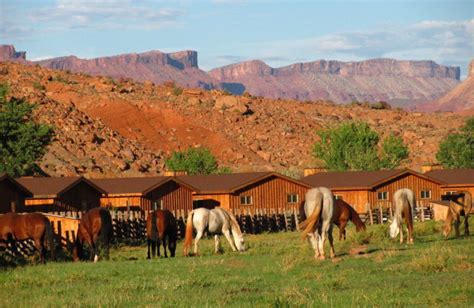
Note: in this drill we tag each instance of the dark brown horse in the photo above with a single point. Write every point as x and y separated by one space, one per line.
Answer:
161 228
460 204
34 226
95 228
343 212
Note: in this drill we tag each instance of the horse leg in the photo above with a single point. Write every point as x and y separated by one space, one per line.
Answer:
400 227
216 243
41 250
342 230
466 224
331 242
229 239
149 244
158 244
196 241
409 230
164 247
313 239
447 224
321 241
457 223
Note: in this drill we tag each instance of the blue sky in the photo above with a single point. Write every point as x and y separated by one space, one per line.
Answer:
229 31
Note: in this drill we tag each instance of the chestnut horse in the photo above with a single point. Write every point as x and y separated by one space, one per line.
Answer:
343 212
460 204
34 226
95 227
161 228
405 202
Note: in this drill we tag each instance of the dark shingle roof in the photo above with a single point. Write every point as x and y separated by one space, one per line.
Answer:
453 176
6 177
51 186
355 179
228 183
134 185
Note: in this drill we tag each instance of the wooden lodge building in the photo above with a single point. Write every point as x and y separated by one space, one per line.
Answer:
247 192
146 193
372 188
12 194
51 194
454 180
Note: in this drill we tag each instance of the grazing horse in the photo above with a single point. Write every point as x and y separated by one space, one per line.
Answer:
461 205
343 212
35 226
404 204
319 208
95 227
216 221
161 228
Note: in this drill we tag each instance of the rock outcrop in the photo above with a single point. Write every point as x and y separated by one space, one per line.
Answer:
402 83
460 99
8 53
158 67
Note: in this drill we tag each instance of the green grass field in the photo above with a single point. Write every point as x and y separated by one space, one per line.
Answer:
276 270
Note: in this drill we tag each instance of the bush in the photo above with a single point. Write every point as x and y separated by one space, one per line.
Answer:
23 141
177 91
457 150
355 146
195 161
381 105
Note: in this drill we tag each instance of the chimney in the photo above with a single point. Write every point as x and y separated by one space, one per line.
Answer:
175 172
314 170
430 167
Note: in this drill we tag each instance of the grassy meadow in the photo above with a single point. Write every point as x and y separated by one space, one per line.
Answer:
277 270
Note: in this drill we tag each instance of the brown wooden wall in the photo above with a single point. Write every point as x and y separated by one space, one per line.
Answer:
269 195
212 200
9 193
175 197
415 183
358 199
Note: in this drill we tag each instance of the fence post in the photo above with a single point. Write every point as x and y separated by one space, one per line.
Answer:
296 220
422 211
371 216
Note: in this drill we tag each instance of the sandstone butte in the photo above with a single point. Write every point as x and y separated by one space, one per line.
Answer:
401 83
107 127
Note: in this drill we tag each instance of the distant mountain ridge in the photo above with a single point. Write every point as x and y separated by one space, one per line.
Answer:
401 83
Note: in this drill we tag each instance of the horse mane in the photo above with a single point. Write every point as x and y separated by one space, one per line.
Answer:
233 222
355 218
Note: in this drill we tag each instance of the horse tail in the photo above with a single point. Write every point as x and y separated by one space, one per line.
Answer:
49 239
188 237
410 202
355 218
154 228
309 225
301 210
106 230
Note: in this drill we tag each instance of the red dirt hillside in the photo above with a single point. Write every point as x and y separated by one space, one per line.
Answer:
244 132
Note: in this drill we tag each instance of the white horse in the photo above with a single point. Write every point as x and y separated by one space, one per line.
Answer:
216 221
404 204
319 209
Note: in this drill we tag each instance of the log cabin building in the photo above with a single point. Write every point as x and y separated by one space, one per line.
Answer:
372 188
12 195
247 192
146 193
51 194
454 180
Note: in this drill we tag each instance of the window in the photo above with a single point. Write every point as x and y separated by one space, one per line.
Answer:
382 195
292 198
425 194
338 197
245 200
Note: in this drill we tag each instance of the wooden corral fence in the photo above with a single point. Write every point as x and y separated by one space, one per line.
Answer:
382 212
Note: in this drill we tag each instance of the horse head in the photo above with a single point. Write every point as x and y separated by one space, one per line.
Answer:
394 229
239 242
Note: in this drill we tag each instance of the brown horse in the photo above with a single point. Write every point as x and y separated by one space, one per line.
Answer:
161 228
95 227
343 212
460 204
34 226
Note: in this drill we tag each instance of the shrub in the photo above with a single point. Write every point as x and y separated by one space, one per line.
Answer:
457 150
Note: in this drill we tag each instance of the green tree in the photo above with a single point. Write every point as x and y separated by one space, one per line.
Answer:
23 142
457 150
355 146
195 161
